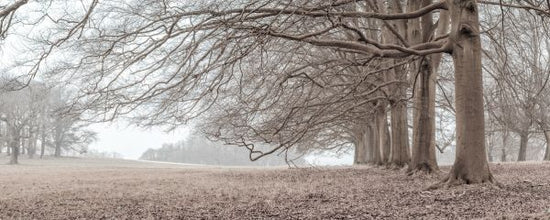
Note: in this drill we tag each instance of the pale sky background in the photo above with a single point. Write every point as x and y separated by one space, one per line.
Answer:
131 142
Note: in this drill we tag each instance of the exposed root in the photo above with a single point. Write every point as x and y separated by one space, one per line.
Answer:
423 169
452 180
395 166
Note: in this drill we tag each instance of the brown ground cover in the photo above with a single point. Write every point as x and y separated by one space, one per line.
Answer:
113 189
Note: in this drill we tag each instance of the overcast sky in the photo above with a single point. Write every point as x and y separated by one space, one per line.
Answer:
131 141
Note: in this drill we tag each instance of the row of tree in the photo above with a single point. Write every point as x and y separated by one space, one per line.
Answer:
312 74
33 121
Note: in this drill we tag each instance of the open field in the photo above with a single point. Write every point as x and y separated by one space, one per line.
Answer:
116 189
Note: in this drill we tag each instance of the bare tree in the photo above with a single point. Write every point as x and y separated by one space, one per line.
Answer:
164 62
518 65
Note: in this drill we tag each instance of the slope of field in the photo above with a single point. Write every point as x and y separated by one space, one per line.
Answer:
116 189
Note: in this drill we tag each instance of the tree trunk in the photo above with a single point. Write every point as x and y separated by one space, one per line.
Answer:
547 154
356 152
370 144
490 151
360 148
399 140
523 139
423 148
504 144
423 151
32 145
43 141
400 135
15 145
22 146
376 154
470 164
382 125
57 152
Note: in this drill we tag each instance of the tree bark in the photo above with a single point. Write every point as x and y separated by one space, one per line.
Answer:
376 152
382 126
423 148
423 151
504 144
523 139
360 148
547 154
400 155
370 144
470 164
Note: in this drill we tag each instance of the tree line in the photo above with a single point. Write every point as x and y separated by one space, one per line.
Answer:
316 74
199 150
33 122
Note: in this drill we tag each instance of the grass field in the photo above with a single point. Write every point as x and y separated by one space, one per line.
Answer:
72 188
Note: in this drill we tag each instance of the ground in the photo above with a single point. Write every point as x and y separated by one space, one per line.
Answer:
72 188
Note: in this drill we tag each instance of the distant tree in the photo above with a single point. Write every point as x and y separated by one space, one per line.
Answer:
15 112
519 66
199 150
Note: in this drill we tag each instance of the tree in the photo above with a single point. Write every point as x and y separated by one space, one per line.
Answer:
518 66
199 150
181 56
15 112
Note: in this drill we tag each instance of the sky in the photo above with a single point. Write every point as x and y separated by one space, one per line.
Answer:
130 141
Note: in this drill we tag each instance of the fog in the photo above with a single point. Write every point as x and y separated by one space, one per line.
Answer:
130 142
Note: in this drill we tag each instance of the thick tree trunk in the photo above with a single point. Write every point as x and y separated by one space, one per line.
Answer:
370 144
399 144
382 126
547 154
423 148
376 152
423 151
360 148
470 164
400 135
523 139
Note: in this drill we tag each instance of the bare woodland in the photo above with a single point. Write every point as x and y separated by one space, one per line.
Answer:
395 80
